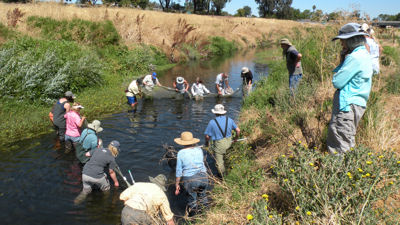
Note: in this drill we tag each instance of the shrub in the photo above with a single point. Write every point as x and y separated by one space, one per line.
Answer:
390 55
78 30
42 70
219 46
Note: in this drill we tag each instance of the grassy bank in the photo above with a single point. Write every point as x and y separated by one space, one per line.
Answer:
283 174
88 58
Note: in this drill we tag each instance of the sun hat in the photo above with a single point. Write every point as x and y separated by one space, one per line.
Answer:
350 30
77 107
364 27
245 70
154 75
180 80
69 94
218 109
285 41
186 139
115 144
160 180
95 125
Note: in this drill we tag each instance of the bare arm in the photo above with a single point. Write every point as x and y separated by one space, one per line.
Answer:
207 139
114 177
171 222
298 59
81 122
187 85
177 186
237 132
67 107
227 83
219 92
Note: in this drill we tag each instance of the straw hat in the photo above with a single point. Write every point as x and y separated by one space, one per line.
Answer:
160 180
218 109
186 139
285 41
95 125
245 70
350 30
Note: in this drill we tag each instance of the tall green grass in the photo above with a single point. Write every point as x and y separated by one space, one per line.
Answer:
219 46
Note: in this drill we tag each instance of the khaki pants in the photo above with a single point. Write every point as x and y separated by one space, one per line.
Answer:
219 149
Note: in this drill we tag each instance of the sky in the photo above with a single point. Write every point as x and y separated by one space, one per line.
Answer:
371 7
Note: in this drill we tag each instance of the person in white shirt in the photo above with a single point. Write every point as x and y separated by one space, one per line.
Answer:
374 49
132 91
150 80
198 89
222 84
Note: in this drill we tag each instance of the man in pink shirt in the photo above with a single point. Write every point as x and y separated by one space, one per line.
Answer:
73 123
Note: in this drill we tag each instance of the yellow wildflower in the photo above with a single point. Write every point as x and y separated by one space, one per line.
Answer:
297 223
265 196
360 170
285 180
381 156
270 216
299 142
349 175
398 162
297 208
283 156
308 213
391 182
266 207
292 170
369 153
311 164
249 217
351 149
367 174
272 167
369 162
289 145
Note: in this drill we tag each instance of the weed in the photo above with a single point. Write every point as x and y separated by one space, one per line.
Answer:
219 46
14 16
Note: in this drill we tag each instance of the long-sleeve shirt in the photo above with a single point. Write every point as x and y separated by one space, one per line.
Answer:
190 161
88 139
148 197
353 79
199 89
133 89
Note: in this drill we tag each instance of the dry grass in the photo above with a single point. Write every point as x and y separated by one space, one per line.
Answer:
155 27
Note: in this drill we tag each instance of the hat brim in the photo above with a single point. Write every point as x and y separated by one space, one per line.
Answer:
98 130
154 181
179 141
218 112
349 35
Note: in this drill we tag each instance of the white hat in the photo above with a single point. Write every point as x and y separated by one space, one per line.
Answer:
160 180
364 27
245 70
218 109
95 125
180 80
77 107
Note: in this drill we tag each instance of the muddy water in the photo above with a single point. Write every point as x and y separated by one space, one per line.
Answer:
39 181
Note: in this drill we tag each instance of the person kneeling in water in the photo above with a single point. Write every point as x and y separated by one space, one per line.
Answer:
181 85
198 89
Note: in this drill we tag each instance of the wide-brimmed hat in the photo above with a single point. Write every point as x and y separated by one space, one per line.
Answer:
160 180
180 80
186 139
69 94
245 70
350 30
218 109
96 126
364 27
285 41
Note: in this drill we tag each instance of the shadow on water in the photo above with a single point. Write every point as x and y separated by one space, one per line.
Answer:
39 181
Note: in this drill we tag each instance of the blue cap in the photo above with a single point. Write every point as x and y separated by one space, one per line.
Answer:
350 30
154 75
115 144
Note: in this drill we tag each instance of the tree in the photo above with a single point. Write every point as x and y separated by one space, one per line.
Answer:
218 5
266 7
283 9
275 8
243 12
165 4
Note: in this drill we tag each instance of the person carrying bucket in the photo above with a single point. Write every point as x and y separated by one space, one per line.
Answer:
145 202
219 130
190 169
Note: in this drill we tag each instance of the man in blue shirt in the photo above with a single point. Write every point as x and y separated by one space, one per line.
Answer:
191 170
219 130
352 80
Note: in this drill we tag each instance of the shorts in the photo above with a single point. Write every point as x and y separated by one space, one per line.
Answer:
131 100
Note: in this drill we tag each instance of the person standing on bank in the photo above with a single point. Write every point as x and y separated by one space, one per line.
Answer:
219 130
352 81
145 202
58 111
88 140
93 173
374 49
247 77
222 84
293 64
190 169
132 91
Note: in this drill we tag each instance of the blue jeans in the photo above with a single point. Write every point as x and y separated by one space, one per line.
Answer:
72 139
294 81
196 187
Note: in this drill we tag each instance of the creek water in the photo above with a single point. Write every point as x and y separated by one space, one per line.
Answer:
39 181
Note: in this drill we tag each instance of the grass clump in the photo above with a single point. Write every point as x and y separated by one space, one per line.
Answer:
38 70
77 30
219 46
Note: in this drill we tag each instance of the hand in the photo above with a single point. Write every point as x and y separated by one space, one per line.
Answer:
83 117
116 184
178 188
298 65
87 154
